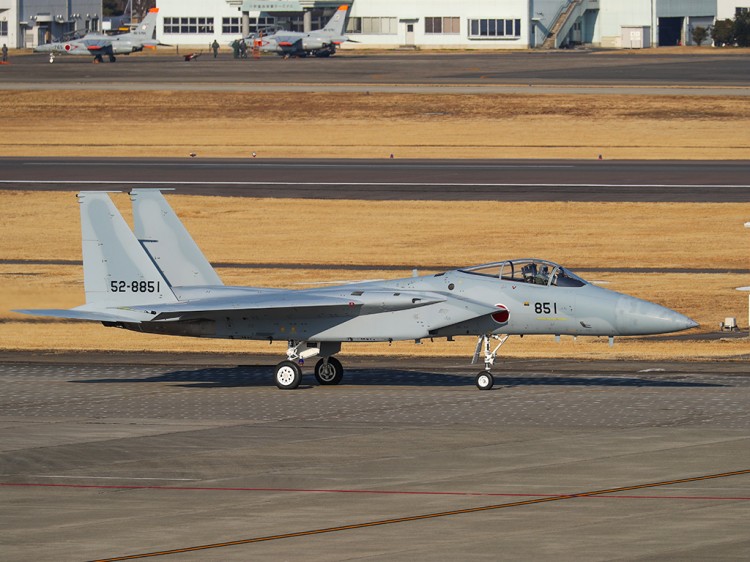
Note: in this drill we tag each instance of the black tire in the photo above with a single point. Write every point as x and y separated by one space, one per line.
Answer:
287 375
330 373
485 380
112 58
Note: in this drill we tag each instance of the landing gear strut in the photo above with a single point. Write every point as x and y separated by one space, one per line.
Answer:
485 380
328 370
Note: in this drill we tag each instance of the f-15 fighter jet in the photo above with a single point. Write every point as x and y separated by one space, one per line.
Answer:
156 280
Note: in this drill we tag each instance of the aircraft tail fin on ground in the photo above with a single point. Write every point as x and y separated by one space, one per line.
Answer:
147 27
117 271
166 239
337 24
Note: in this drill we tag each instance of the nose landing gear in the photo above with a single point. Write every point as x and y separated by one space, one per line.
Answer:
485 380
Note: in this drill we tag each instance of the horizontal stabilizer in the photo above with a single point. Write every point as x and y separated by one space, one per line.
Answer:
73 314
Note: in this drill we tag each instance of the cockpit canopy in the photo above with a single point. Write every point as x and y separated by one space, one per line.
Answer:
531 271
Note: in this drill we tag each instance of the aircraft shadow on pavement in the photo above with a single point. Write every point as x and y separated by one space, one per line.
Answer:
262 376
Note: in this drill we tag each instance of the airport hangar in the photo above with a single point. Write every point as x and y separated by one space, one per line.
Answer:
480 24
519 24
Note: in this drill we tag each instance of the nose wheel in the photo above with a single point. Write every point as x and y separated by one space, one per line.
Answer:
485 380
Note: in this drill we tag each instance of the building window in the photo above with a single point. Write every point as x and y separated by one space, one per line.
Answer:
372 26
740 11
262 24
494 28
231 26
444 26
3 28
188 25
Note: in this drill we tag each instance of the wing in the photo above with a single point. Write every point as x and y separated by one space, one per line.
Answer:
96 46
288 41
299 304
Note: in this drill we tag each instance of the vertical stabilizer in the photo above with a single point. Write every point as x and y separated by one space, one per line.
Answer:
166 239
147 27
337 24
117 271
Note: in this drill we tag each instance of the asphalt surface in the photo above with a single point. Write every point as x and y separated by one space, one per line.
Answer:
348 71
103 457
462 180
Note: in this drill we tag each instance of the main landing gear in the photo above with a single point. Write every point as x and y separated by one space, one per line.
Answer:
485 380
328 370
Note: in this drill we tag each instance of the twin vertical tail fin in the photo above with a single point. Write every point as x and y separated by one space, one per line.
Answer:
168 242
117 271
122 271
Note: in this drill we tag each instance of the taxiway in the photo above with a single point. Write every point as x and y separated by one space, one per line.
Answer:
530 73
386 179
120 458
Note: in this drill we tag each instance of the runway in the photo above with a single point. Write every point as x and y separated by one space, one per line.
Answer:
463 180
118 457
355 71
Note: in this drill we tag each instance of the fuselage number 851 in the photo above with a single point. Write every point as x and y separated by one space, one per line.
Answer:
135 286
545 308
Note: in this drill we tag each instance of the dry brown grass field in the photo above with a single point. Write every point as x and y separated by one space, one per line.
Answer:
411 234
222 124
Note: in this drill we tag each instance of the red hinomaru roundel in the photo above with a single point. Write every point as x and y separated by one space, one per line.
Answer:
501 316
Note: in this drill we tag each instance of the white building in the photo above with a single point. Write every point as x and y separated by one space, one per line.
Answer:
478 24
28 23
727 9
666 22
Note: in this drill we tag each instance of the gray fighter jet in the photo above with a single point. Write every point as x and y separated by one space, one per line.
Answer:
319 43
98 45
156 280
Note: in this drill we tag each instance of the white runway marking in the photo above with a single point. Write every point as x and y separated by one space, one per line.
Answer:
363 184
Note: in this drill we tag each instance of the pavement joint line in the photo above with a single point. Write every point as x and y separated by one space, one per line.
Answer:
425 516
324 490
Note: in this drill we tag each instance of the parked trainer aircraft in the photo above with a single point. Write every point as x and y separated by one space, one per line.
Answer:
98 45
319 43
156 280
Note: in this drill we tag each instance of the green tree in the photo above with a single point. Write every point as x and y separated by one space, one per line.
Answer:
723 33
700 34
742 29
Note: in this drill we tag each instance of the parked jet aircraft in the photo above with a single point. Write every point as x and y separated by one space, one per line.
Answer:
320 43
98 45
157 281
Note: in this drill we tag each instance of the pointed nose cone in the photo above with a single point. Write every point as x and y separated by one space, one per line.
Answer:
639 317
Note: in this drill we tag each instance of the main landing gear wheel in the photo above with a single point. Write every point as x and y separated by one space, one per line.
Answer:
330 372
112 58
288 375
485 380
